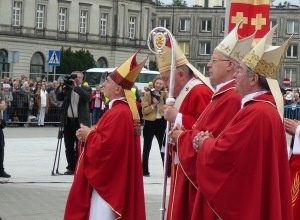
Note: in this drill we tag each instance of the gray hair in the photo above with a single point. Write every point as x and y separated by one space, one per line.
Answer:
262 81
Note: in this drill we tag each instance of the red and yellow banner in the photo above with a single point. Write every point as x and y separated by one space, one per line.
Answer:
255 15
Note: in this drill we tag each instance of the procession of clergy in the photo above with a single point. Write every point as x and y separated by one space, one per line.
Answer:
227 145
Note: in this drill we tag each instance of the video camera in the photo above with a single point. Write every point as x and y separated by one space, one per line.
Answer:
67 79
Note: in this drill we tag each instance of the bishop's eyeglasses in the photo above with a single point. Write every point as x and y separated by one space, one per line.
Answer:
214 59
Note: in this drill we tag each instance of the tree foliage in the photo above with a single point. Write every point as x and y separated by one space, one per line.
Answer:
153 65
159 3
177 3
284 4
75 60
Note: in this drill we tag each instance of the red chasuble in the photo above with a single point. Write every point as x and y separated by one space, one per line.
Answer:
191 108
245 171
194 104
295 174
111 164
225 104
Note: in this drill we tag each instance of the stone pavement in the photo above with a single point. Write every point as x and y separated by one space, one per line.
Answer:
32 193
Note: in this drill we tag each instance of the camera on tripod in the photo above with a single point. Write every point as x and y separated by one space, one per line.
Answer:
67 79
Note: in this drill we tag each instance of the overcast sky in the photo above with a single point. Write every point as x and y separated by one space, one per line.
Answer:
192 2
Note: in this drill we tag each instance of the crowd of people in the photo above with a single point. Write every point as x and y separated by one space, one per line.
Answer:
292 104
34 102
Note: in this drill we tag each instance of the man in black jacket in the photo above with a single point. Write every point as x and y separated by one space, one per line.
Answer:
76 99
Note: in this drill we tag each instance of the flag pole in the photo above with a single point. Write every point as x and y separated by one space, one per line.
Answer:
227 13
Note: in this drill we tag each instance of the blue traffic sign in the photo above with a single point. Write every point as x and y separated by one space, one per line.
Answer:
54 58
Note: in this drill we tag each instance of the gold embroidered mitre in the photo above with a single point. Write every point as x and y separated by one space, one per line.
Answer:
266 59
233 46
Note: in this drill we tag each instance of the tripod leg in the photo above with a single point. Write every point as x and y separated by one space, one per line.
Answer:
58 149
58 157
56 153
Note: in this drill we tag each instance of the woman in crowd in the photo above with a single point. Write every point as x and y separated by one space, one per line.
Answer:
42 101
97 104
153 115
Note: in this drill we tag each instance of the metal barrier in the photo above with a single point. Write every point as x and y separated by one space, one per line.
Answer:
292 112
29 117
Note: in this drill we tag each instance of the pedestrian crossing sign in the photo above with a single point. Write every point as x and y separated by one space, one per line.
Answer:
54 58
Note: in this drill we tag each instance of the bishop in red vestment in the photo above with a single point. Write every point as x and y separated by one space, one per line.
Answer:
245 170
108 183
193 92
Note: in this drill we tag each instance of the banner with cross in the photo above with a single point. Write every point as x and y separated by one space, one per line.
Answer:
255 15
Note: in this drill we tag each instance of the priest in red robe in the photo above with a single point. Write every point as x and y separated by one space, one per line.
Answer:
193 93
225 103
245 171
108 183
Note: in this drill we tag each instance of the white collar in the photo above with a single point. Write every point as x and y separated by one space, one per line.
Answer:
112 101
246 98
219 86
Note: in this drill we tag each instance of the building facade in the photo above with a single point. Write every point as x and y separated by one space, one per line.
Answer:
110 29
113 29
199 30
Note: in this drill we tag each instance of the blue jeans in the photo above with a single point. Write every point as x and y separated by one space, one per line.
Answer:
96 115
6 114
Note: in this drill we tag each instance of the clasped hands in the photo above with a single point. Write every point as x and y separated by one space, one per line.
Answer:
82 132
174 133
199 138
290 126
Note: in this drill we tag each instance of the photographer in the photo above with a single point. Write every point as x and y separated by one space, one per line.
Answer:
75 97
155 124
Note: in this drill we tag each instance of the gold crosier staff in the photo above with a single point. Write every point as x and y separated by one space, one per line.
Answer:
160 36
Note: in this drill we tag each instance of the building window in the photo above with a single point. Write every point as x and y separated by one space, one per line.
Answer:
205 26
37 63
40 13
291 73
165 22
185 47
132 24
203 69
206 4
292 27
222 27
204 48
101 63
62 19
103 23
17 12
4 65
185 25
292 51
272 23
83 21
